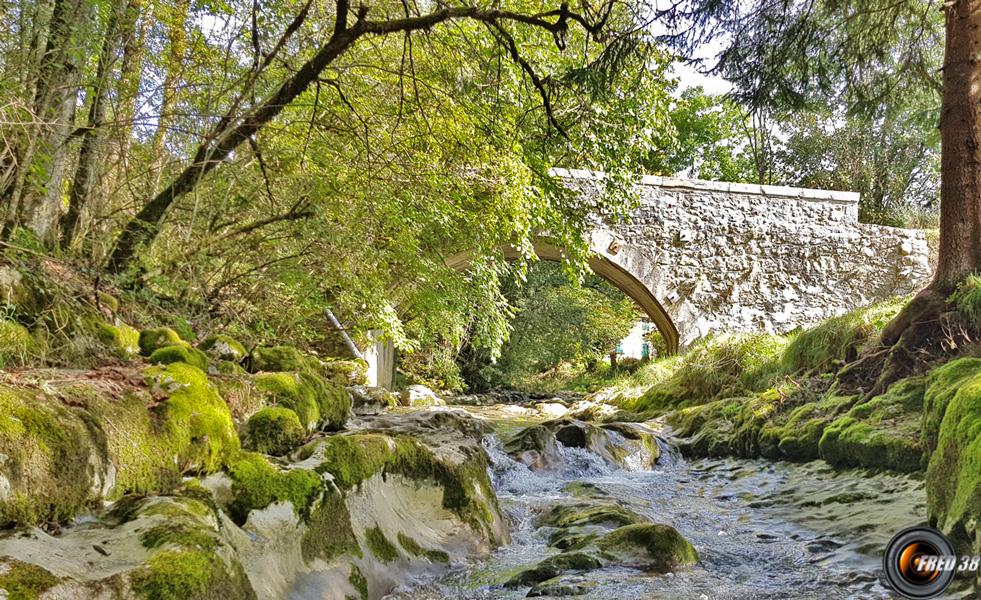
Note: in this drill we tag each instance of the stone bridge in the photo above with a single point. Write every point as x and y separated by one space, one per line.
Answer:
702 256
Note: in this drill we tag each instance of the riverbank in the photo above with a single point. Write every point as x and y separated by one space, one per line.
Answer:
144 458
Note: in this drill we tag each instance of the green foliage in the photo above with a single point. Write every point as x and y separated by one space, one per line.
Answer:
836 341
710 140
256 484
555 323
274 431
967 299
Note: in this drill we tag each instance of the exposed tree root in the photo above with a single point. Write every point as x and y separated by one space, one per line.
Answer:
926 332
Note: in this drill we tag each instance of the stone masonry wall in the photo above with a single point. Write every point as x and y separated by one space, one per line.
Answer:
743 257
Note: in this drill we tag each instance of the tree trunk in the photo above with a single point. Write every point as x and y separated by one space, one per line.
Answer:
36 193
175 18
87 173
960 143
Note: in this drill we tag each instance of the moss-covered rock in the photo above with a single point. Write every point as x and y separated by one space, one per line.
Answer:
16 344
413 548
553 566
346 372
198 423
279 358
45 474
796 435
942 385
954 472
256 484
223 347
563 585
159 337
467 491
320 404
274 430
122 339
381 548
651 546
330 532
587 513
882 433
24 581
177 353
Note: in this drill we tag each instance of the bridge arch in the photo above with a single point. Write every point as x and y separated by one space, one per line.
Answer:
602 266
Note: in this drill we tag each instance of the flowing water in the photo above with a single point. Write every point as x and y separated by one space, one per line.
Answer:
763 529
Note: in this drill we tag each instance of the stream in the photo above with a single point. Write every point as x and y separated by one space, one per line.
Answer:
763 529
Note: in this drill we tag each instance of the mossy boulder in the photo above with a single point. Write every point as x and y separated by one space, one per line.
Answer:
563 585
122 339
954 471
177 353
346 372
223 347
256 484
462 474
318 403
279 358
883 433
587 513
16 344
158 337
942 384
650 546
367 400
46 473
274 430
553 566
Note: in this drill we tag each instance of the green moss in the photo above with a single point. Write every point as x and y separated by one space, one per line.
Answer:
154 339
380 547
329 532
122 339
942 385
184 329
578 514
24 581
279 358
954 472
177 533
195 419
227 367
256 484
358 581
185 354
290 390
189 575
658 546
346 372
883 433
223 347
351 459
16 344
837 341
412 547
797 436
46 450
274 431
552 567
